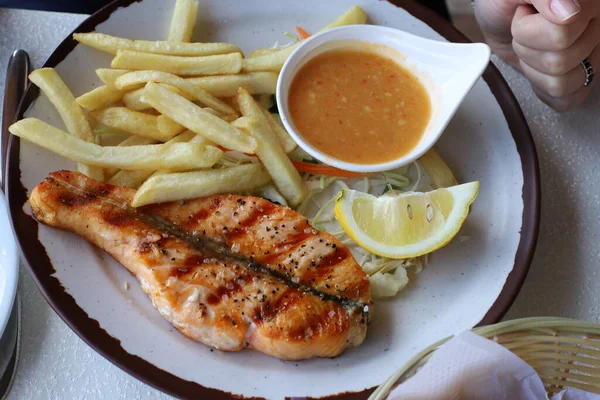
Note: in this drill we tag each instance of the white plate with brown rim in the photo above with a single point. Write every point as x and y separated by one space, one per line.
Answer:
469 282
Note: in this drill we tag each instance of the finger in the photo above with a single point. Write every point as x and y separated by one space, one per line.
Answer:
563 104
558 63
557 11
558 86
531 29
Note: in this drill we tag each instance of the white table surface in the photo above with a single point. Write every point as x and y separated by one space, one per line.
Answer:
563 281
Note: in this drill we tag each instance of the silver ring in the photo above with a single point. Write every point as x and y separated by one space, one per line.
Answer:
589 72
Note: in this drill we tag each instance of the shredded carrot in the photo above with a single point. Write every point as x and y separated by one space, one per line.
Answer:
320 169
302 33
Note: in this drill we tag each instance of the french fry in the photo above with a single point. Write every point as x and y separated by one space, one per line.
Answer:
134 100
190 185
284 138
266 101
243 123
111 44
168 127
269 62
108 76
269 151
48 80
98 98
227 85
198 120
273 61
134 122
354 16
177 157
183 21
63 100
130 141
194 92
204 65
135 178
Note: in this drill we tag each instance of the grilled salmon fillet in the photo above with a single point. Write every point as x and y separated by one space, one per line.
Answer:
228 271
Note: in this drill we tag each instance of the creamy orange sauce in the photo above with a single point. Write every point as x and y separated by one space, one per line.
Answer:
359 106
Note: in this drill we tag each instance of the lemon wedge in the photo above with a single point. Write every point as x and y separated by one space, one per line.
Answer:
404 225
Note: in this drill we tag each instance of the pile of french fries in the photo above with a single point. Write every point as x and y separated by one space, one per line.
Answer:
195 116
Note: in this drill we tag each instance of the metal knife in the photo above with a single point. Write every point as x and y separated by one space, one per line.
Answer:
16 82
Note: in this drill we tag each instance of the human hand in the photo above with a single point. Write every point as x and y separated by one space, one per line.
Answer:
547 40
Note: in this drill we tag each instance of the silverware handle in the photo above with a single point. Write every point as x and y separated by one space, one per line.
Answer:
16 82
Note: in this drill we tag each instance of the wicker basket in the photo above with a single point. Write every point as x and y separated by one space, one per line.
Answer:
564 352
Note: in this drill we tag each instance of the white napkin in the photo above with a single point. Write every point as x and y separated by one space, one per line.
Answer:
471 367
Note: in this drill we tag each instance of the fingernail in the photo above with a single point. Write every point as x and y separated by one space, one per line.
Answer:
565 9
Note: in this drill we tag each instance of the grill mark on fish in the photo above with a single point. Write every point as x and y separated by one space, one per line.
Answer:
339 255
204 213
119 218
191 265
201 215
147 246
179 272
306 330
324 266
269 310
251 220
230 288
275 258
314 321
212 299
194 260
74 199
210 248
294 241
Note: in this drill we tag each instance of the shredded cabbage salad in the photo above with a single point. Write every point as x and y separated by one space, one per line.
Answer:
295 39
